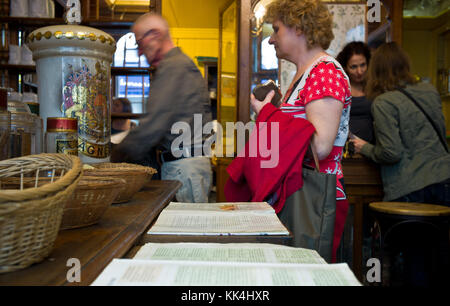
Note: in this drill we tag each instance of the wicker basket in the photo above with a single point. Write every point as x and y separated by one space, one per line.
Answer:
135 177
89 202
30 218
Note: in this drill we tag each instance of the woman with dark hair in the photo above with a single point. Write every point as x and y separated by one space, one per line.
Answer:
355 58
118 125
410 141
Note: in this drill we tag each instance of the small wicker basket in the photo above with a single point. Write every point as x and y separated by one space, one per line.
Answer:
135 177
30 218
89 202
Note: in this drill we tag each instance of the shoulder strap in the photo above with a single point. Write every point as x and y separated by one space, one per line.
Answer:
433 124
313 152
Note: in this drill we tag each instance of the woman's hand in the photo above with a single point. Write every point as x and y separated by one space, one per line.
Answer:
357 142
258 105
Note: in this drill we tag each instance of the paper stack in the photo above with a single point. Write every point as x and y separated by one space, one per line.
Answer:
218 219
210 264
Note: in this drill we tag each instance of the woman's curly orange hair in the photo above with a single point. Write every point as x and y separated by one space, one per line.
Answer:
309 16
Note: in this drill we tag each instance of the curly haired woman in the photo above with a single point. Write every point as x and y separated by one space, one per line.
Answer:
320 91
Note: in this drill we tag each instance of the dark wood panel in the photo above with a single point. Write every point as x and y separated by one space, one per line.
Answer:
118 231
30 22
275 239
363 185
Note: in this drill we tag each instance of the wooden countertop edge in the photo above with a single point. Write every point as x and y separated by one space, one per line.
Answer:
120 246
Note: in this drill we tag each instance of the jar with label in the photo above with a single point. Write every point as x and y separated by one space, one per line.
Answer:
62 135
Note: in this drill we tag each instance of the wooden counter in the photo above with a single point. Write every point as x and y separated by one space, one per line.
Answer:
363 185
119 230
273 239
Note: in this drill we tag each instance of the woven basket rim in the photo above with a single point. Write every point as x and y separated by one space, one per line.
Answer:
46 190
123 166
107 172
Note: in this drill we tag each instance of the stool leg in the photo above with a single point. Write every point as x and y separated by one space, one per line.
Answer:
377 248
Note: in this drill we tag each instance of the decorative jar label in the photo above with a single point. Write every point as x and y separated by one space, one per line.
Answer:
85 96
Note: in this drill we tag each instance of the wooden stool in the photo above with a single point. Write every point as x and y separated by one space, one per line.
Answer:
412 242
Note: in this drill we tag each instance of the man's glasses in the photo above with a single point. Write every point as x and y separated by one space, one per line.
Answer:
149 32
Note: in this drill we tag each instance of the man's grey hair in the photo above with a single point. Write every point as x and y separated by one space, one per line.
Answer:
164 25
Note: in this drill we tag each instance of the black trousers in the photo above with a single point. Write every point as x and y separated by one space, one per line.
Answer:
433 194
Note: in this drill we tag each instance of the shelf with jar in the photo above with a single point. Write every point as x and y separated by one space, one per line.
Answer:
27 69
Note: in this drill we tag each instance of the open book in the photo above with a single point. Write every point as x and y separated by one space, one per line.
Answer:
229 252
218 219
232 264
136 272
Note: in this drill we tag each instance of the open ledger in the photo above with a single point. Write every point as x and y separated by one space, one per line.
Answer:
218 219
214 264
229 252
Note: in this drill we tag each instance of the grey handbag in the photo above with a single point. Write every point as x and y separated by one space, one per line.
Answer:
310 212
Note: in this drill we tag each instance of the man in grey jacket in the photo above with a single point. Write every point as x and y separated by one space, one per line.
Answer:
178 101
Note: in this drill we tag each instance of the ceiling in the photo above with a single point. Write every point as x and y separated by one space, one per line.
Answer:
179 13
193 13
428 8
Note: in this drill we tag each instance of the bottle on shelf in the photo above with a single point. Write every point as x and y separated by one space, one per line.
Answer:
5 124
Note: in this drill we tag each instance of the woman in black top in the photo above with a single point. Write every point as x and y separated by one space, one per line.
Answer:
355 58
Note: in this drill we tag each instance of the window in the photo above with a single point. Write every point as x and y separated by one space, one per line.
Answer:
134 87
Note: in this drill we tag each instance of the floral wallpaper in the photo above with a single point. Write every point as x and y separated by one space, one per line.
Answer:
349 25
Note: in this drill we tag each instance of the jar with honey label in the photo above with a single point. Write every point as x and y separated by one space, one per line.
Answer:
62 136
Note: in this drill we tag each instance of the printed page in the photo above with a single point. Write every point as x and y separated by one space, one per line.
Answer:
217 224
220 207
229 252
126 272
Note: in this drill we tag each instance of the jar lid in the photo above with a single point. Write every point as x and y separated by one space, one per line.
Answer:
72 36
58 124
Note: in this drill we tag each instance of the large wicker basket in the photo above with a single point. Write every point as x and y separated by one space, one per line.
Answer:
30 218
135 177
89 202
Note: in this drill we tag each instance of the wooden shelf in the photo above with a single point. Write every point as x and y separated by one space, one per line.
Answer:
126 116
131 71
17 22
108 23
16 69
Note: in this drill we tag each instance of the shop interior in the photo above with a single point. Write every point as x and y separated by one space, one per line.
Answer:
228 41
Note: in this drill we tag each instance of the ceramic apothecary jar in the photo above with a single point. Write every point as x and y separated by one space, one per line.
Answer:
73 65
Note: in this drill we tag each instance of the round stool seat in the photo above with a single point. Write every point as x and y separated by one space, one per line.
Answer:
412 242
410 209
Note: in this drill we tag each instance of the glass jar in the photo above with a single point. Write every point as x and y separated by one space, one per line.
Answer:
62 135
21 138
35 134
5 130
39 125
